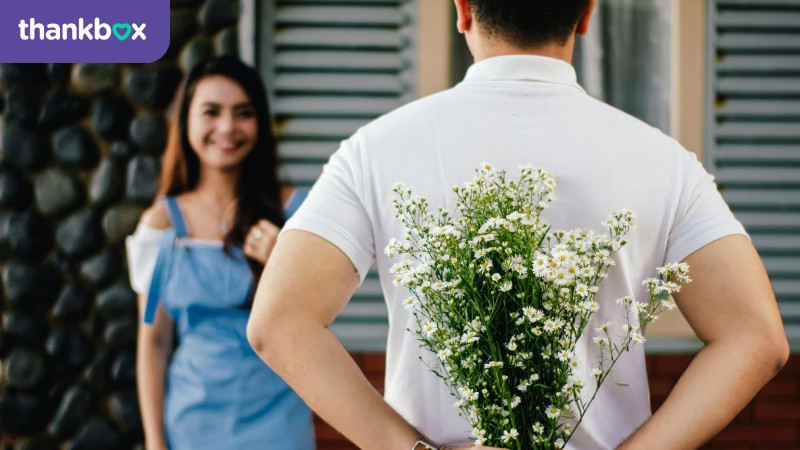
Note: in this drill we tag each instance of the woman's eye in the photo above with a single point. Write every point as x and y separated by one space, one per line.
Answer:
246 114
210 112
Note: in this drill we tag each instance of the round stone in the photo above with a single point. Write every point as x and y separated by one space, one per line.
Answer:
96 434
182 26
26 328
28 149
119 300
154 87
73 303
22 414
218 14
125 412
15 190
120 221
57 192
75 148
21 107
25 368
60 73
70 349
28 236
80 234
195 52
111 116
123 370
63 108
74 406
30 286
227 42
121 150
142 179
95 78
107 182
25 76
149 132
101 268
121 332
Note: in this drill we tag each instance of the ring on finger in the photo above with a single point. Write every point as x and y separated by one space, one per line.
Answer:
257 234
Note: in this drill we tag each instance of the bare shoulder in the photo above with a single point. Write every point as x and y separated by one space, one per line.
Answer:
156 216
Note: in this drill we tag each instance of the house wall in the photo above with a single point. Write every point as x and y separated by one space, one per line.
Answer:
770 422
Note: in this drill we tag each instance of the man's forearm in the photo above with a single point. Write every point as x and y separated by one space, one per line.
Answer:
717 385
312 360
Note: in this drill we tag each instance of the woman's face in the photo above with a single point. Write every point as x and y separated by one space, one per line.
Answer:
222 125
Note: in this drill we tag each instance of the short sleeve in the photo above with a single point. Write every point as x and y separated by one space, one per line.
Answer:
142 248
702 216
335 207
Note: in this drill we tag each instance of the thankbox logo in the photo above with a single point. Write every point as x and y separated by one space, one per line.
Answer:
83 31
32 30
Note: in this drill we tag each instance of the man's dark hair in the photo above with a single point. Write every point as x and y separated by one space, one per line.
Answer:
529 23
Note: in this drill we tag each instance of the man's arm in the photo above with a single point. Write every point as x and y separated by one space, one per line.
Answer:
306 283
731 307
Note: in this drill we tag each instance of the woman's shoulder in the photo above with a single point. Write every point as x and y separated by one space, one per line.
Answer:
156 216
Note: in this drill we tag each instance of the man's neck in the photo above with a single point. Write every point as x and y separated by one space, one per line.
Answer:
501 48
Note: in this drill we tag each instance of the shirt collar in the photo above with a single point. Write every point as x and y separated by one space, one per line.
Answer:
523 68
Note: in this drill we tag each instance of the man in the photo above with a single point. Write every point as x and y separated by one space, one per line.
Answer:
519 104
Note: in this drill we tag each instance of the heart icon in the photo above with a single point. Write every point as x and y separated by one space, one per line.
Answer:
119 34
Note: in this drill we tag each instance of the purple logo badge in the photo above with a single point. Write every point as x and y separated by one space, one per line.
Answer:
83 31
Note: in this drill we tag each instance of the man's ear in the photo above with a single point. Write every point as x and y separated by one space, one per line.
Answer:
586 17
463 16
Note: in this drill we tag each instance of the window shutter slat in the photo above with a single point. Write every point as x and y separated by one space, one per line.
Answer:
343 16
753 132
760 64
331 67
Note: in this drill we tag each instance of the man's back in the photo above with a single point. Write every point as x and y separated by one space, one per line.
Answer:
514 110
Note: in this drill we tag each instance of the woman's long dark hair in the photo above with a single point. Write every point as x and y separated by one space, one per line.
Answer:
257 188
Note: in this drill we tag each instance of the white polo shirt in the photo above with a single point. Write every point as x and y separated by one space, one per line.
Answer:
513 110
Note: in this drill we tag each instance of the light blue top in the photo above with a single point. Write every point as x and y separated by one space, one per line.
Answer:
219 394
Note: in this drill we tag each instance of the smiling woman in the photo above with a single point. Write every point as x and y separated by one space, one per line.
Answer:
193 260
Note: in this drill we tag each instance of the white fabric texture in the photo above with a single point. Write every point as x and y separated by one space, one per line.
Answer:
142 248
513 110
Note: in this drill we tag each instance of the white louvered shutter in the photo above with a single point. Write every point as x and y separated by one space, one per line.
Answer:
753 132
332 66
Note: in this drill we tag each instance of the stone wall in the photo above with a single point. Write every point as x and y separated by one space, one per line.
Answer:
81 147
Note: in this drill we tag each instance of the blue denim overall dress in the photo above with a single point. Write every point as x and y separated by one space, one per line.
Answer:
219 394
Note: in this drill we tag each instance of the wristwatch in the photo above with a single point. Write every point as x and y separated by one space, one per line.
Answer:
422 445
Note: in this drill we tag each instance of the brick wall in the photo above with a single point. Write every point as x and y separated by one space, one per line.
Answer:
770 422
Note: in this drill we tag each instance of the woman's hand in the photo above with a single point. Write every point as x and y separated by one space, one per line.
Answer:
260 240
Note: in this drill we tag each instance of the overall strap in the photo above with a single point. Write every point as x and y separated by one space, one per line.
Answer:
294 203
176 217
154 293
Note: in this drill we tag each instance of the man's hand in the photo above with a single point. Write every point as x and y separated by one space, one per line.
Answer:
731 307
470 447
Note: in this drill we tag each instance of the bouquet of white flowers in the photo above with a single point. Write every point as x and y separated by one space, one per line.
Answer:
501 300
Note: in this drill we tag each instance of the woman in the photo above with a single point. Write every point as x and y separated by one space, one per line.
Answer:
193 260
